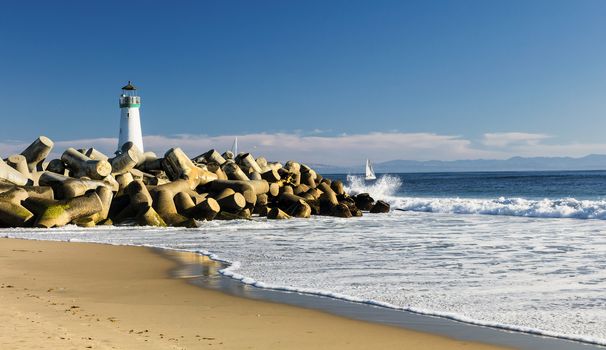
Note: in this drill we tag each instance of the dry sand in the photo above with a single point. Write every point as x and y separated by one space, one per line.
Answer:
76 296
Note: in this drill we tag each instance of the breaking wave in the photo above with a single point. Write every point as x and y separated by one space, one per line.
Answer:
387 187
545 208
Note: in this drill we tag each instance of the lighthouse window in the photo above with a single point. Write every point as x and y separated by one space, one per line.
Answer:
128 114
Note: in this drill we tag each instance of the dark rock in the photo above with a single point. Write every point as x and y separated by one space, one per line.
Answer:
380 207
364 201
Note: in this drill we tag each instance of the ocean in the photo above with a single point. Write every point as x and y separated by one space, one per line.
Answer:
522 251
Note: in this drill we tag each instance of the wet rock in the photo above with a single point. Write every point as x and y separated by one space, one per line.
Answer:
380 207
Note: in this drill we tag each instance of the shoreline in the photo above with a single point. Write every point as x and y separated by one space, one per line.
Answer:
67 294
202 273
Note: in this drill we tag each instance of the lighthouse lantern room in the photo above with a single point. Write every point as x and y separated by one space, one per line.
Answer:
130 122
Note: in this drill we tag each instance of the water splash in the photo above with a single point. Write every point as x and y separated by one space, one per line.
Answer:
384 187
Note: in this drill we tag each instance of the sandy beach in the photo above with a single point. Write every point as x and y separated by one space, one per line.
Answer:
75 295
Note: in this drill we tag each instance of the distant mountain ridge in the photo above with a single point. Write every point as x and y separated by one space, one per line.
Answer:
589 162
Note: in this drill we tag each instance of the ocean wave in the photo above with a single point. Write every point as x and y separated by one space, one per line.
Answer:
387 187
545 208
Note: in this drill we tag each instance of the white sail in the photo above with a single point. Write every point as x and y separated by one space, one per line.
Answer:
234 147
370 173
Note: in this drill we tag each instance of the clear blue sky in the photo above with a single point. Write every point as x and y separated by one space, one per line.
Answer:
462 68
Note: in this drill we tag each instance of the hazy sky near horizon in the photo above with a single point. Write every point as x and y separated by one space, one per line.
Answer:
329 81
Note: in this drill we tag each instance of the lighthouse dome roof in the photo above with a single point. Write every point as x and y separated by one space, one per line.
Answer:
129 86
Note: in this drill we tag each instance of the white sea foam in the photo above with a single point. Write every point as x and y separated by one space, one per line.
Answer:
387 186
543 276
546 208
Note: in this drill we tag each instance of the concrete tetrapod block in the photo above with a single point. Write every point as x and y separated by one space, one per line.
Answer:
277 214
300 209
216 169
262 164
244 214
249 189
294 169
174 187
81 165
308 178
292 166
187 200
286 189
19 163
199 176
126 160
233 172
315 193
257 186
37 151
274 189
95 154
138 193
38 205
212 156
341 210
231 201
271 175
307 196
32 191
302 188
66 211
337 187
248 163
165 207
205 210
328 195
286 177
261 205
12 212
274 165
56 166
65 187
228 155
123 181
262 199
106 196
148 165
111 183
139 201
183 202
176 164
294 205
149 217
11 175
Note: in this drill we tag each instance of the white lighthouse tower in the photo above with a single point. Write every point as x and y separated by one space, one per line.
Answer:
130 123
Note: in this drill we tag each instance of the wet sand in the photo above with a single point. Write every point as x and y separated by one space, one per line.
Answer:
56 295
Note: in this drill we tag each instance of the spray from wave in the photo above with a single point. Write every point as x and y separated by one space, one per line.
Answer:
384 187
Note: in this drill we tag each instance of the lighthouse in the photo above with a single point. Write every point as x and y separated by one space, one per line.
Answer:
130 123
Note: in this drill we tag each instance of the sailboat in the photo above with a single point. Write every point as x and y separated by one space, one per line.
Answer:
370 173
234 147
